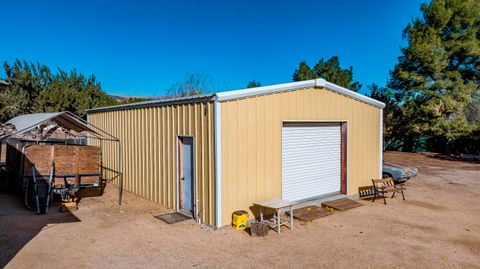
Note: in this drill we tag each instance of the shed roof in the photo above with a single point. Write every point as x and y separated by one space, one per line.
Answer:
161 102
249 92
64 119
25 123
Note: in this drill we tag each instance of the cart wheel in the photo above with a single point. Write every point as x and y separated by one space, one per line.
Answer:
30 195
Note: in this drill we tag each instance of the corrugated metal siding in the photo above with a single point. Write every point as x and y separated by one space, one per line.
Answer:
251 142
148 137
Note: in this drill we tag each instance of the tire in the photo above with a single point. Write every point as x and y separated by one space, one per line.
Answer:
31 199
386 175
30 195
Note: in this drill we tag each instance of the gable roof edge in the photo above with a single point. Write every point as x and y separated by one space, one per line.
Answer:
319 82
350 93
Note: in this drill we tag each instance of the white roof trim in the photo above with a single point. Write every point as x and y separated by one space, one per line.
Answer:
352 94
230 95
244 93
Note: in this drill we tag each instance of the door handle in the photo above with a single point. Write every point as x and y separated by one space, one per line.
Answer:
182 178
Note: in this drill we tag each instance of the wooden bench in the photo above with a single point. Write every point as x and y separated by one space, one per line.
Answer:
382 187
366 192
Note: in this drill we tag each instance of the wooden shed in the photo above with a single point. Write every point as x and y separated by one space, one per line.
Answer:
210 155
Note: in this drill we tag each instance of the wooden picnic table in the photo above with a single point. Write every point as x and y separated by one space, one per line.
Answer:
278 205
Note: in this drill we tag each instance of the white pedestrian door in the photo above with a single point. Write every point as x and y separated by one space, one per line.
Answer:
186 184
311 161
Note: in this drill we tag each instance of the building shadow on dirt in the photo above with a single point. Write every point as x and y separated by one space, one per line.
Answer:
18 225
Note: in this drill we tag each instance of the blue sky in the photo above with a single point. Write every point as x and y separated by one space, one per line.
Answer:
143 47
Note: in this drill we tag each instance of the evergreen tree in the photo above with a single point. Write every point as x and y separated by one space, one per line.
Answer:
253 84
26 80
329 70
34 88
393 124
438 74
303 72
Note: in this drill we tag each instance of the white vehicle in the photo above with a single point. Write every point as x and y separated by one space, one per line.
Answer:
400 174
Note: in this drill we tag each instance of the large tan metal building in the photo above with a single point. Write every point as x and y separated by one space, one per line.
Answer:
210 155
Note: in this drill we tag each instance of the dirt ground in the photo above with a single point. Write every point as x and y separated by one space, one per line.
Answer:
437 227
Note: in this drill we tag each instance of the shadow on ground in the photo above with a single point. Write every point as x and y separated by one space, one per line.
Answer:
18 225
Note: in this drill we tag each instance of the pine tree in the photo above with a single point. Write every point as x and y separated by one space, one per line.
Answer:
438 74
303 72
253 84
329 70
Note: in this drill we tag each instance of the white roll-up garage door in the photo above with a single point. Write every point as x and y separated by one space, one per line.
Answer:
311 161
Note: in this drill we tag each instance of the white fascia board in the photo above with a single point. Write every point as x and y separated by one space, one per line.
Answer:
319 82
243 93
352 94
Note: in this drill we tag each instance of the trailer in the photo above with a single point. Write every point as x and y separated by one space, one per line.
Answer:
67 168
54 153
